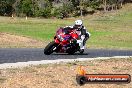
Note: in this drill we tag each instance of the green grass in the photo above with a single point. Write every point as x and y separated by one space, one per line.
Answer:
43 30
111 31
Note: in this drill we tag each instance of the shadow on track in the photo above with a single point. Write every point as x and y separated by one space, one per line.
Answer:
69 54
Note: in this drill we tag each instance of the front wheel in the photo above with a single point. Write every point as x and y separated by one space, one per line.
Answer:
49 48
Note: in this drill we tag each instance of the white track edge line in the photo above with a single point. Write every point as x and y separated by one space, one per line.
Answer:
29 63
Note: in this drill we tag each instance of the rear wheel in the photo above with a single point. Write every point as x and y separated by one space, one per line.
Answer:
81 51
49 48
71 51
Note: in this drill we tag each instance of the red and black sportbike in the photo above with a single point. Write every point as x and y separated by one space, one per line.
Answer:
65 41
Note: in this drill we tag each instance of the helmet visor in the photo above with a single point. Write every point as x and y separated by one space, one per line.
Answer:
77 26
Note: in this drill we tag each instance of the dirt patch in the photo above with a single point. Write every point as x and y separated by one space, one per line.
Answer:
9 40
63 75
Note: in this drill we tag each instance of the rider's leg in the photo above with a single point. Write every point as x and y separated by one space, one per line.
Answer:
87 35
83 40
82 43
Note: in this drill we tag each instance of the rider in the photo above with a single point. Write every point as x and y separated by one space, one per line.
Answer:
84 35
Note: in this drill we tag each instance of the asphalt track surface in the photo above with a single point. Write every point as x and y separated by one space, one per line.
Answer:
13 55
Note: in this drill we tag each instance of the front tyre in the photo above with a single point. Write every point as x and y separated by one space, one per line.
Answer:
49 48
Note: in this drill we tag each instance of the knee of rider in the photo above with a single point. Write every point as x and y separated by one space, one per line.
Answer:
88 34
83 37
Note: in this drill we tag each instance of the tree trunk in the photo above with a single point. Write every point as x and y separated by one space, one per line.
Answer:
104 2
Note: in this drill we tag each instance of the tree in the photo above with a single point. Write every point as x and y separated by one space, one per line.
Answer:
26 7
44 8
6 7
56 8
64 9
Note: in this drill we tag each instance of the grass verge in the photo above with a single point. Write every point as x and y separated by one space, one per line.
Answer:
109 30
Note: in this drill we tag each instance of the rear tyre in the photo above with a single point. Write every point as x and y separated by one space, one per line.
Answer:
49 48
71 51
81 51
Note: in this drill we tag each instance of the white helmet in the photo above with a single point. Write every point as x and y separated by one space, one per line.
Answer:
78 24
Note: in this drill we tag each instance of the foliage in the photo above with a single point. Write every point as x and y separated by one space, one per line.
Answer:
6 7
26 7
54 8
44 8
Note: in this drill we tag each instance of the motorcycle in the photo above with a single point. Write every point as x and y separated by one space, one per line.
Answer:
65 41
